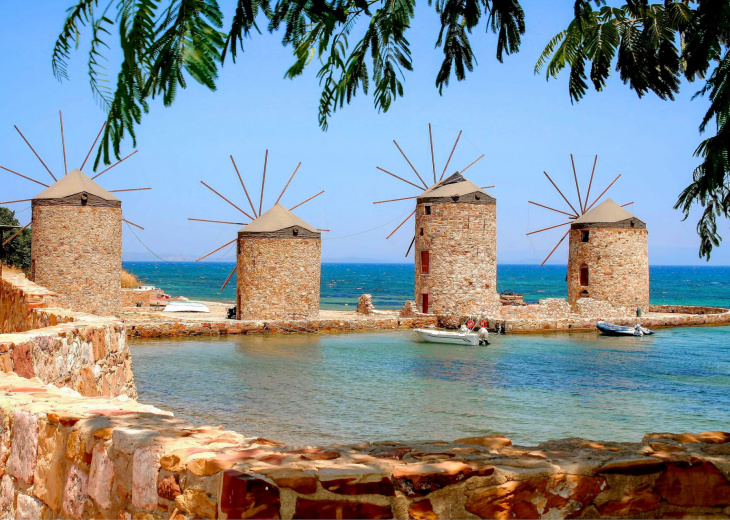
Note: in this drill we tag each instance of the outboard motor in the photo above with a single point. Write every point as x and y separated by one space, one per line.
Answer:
483 336
231 313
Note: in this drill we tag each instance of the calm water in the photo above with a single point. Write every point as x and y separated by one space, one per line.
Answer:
350 387
392 284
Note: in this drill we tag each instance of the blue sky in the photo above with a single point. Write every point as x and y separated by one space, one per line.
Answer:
521 122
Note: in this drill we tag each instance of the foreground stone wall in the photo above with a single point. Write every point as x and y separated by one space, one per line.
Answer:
86 353
618 266
461 239
278 278
77 253
66 456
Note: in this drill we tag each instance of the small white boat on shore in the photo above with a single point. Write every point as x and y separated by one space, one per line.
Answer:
183 306
447 336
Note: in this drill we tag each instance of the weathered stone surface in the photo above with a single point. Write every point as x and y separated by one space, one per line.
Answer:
699 485
488 441
301 481
691 438
422 510
196 502
101 476
559 496
422 478
28 508
169 487
75 492
245 496
337 509
365 304
634 466
7 493
145 468
49 470
639 500
24 452
175 461
355 479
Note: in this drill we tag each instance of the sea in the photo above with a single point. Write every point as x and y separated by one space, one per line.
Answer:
317 389
392 284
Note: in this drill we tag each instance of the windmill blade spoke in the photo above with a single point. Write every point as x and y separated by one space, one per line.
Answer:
410 246
229 278
401 178
216 250
577 188
92 146
410 164
287 184
21 175
590 183
486 187
552 209
472 164
627 204
115 164
603 192
547 228
228 201
263 182
244 187
129 189
14 201
561 193
63 144
217 221
433 158
133 224
394 200
558 245
399 225
36 153
17 233
304 202
450 155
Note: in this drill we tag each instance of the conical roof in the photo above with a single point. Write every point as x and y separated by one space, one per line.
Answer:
275 219
606 212
455 185
73 183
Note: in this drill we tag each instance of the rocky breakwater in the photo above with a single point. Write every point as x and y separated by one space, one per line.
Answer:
68 456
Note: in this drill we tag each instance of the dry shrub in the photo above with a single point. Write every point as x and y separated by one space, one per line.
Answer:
129 281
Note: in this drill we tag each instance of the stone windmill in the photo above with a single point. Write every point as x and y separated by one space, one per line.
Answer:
76 247
455 241
278 261
608 258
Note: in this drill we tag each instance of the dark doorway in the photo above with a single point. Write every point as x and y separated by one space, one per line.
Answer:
425 262
584 276
424 303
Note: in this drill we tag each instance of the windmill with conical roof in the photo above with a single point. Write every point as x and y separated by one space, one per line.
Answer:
278 260
455 241
608 257
76 247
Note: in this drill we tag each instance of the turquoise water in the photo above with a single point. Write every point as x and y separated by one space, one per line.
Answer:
392 284
379 386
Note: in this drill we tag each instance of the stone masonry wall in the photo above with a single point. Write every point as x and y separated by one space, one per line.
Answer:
278 278
86 353
462 244
77 253
66 456
131 297
618 266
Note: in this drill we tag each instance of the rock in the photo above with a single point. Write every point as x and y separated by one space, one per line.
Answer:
48 475
422 510
145 468
410 310
301 481
246 496
169 487
365 304
639 500
101 476
355 479
28 508
397 452
637 466
558 496
691 438
175 461
491 442
75 492
7 493
24 453
306 508
423 478
196 502
694 485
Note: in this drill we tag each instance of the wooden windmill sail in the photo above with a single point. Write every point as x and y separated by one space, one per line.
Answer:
455 232
68 215
278 257
570 210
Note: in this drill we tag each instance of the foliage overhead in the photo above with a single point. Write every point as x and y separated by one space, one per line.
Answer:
652 47
17 251
361 45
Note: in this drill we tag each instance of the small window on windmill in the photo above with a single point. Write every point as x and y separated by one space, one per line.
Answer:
584 235
584 294
427 209
421 231
425 262
295 231
633 223
84 199
584 276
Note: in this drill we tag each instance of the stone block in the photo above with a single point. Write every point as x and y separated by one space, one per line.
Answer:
306 508
101 476
49 470
245 496
169 487
145 469
28 508
24 451
75 492
694 485
196 502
